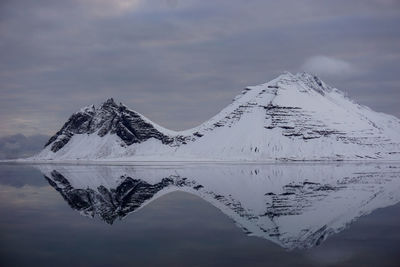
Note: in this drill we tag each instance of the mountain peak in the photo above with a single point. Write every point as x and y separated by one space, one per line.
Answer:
305 81
299 76
109 103
286 74
88 109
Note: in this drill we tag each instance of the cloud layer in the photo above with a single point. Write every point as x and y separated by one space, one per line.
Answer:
20 146
329 66
180 62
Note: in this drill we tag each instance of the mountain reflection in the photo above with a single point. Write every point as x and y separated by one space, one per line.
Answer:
293 205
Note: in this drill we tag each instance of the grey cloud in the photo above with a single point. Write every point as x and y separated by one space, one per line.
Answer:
180 62
329 66
20 146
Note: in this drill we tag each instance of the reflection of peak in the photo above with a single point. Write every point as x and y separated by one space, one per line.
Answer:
295 206
109 204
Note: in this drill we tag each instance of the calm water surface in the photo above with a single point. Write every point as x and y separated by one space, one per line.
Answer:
200 215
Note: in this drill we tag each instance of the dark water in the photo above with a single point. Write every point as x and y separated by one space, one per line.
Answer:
230 215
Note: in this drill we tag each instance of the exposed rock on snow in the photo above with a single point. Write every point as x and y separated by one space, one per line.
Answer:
293 117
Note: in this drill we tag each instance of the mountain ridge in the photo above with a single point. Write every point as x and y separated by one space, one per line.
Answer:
292 117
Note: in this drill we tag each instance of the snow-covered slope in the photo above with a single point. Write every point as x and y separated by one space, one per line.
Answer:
293 117
293 205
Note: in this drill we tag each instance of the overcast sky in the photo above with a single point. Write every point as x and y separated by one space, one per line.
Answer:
180 62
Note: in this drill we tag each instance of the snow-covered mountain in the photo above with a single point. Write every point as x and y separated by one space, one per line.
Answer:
293 117
293 205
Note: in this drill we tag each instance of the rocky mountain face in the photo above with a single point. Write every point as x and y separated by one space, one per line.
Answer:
110 118
295 206
293 117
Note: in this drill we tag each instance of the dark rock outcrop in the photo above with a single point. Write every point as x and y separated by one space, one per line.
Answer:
111 118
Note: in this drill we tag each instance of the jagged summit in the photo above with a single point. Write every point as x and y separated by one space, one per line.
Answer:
292 117
306 80
110 101
109 118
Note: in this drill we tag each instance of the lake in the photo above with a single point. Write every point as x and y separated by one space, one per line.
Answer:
182 214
